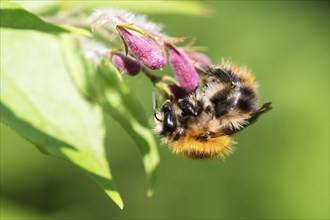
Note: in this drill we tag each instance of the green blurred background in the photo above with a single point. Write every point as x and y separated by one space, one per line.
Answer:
281 165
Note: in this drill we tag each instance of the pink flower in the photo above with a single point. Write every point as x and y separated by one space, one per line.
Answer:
145 49
126 64
183 69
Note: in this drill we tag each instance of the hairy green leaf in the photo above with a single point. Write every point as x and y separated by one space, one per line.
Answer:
101 85
39 101
14 16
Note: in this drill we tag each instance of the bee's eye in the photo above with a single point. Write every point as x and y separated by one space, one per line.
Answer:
187 108
169 122
167 108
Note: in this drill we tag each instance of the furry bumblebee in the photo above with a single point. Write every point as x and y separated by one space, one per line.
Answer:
200 124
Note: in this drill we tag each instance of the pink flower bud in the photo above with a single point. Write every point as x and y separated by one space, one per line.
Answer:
183 69
126 64
144 49
198 57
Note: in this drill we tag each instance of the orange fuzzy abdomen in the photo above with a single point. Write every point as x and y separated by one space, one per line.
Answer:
193 147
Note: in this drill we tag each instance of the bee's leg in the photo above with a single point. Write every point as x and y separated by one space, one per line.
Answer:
264 108
205 136
181 133
254 116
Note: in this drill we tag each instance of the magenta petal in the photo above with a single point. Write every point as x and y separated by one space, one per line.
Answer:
144 49
199 57
183 69
126 64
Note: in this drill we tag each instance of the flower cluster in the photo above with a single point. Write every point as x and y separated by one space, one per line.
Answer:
144 49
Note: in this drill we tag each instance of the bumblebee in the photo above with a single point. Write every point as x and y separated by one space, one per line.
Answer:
200 124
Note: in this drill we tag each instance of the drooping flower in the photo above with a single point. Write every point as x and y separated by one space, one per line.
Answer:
126 64
183 69
145 49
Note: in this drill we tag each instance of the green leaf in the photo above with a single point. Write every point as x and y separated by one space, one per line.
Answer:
191 8
14 16
101 85
39 101
129 113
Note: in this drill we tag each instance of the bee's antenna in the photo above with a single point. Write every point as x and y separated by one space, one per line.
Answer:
154 101
154 104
